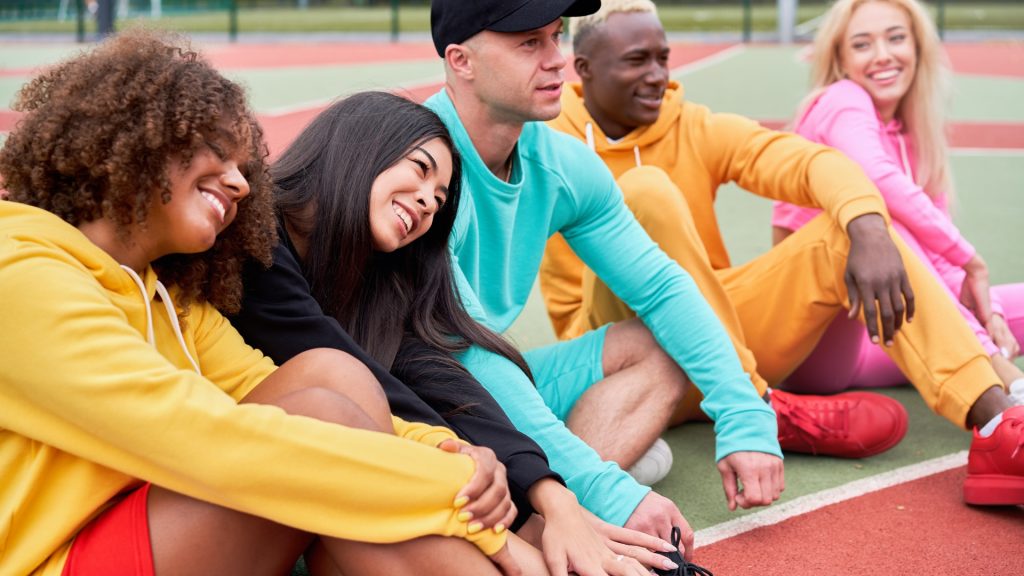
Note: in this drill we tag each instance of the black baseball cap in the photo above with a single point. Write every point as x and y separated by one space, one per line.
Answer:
455 21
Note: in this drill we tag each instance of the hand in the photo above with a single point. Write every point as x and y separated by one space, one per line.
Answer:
974 292
633 543
506 562
1002 336
568 540
751 479
656 515
876 279
487 496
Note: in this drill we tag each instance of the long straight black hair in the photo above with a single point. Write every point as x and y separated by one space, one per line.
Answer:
322 186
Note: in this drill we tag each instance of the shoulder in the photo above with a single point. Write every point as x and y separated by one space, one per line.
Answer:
561 157
845 94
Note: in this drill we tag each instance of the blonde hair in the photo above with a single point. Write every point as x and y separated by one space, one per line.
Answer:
922 110
580 28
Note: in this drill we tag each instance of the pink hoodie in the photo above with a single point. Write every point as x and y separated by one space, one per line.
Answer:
845 118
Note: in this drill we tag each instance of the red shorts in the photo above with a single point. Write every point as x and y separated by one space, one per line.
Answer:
115 543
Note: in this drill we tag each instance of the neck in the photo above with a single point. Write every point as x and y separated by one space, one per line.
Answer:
125 250
493 137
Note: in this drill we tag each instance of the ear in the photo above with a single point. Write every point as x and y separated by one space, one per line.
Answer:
457 58
582 65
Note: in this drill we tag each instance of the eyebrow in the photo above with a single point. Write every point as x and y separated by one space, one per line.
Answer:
887 30
433 163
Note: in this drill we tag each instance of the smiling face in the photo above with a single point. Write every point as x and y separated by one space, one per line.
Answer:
204 201
624 69
405 197
879 52
518 75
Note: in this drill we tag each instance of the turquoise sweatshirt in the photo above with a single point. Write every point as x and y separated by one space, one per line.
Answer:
559 185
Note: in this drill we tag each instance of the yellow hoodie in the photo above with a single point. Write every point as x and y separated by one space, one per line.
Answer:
701 150
89 409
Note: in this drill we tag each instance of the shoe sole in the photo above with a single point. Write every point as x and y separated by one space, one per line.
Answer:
994 490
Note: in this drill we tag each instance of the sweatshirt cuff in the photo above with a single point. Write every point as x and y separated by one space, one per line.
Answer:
620 496
959 253
523 471
860 206
749 431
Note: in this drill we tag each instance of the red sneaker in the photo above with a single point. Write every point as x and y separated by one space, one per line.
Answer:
995 464
848 425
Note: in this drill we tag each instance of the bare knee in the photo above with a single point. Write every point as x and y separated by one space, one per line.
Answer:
630 345
331 406
324 369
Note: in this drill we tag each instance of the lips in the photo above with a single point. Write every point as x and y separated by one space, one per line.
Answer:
408 217
650 100
218 203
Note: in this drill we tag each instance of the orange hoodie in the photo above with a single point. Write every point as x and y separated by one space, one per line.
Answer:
701 150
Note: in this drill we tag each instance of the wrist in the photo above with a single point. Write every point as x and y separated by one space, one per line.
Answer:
548 497
866 224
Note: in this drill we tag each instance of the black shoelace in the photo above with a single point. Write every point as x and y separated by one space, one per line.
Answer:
685 568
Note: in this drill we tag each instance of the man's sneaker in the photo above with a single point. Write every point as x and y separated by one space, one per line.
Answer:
995 464
653 465
848 425
684 568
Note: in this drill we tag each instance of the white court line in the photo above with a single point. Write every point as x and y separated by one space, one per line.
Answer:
811 502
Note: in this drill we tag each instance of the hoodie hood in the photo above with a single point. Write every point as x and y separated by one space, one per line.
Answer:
23 226
576 120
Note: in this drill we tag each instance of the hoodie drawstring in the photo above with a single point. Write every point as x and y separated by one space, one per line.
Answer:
172 314
588 129
904 157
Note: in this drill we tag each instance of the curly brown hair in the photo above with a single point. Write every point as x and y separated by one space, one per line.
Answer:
97 137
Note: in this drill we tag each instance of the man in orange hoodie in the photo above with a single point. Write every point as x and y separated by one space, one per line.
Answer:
669 156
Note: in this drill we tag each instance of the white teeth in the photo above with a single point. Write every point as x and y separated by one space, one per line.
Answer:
885 75
213 201
406 219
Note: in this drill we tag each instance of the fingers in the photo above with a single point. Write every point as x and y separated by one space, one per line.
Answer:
636 539
908 296
507 564
728 484
643 555
686 540
482 478
854 295
485 501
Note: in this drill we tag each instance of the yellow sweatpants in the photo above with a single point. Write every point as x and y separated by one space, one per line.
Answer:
776 307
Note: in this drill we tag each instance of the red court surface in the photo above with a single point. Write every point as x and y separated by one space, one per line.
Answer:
918 528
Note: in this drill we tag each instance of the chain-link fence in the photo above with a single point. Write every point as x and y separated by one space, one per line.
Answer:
738 19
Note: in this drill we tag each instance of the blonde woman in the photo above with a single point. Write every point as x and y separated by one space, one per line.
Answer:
880 83
880 77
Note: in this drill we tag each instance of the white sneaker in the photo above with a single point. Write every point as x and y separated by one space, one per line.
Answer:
654 465
1017 391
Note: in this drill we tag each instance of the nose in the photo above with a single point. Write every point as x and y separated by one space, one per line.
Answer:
657 75
426 199
882 53
554 59
237 186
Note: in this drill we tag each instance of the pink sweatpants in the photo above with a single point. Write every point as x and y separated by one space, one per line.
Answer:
846 358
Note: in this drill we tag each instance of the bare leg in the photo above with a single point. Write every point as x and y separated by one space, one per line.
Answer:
622 415
988 405
193 537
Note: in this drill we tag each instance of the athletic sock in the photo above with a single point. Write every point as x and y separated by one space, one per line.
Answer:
989 428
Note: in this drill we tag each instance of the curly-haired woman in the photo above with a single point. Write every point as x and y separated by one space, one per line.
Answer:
139 434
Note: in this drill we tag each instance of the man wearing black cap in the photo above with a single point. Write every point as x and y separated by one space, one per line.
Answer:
615 388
